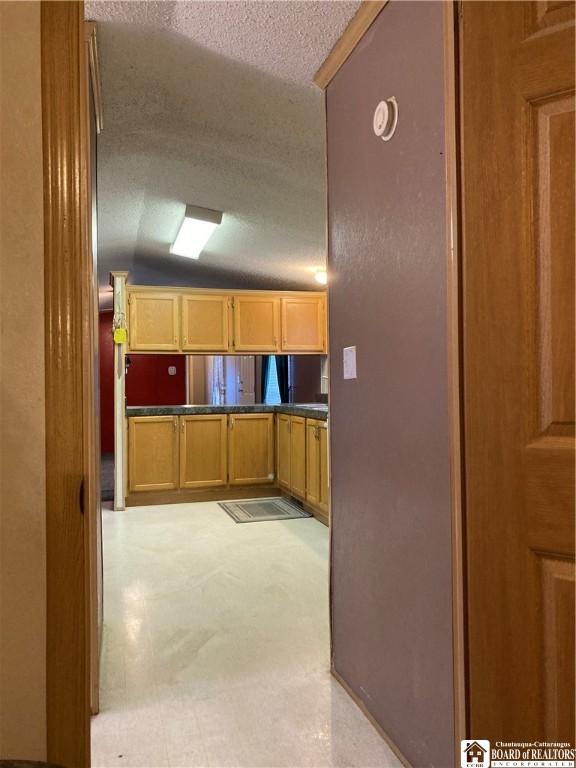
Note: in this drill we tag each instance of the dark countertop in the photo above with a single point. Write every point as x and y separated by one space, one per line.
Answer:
310 410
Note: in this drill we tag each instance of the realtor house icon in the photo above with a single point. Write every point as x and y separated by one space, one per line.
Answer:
475 753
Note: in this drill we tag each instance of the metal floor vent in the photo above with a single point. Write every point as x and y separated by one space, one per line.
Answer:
260 510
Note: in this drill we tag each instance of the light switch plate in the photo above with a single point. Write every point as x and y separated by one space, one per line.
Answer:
171 370
349 360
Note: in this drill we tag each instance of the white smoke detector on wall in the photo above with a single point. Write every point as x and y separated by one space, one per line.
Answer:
386 119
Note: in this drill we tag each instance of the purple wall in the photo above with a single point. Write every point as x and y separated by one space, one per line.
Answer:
391 529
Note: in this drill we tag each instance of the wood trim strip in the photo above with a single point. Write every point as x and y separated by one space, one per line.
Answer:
453 293
356 29
94 69
64 102
362 707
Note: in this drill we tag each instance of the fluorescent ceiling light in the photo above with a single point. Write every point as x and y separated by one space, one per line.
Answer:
321 276
195 231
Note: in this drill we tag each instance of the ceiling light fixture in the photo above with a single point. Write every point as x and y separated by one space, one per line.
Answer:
195 231
321 276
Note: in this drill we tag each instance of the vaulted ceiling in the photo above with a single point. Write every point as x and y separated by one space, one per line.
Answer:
212 104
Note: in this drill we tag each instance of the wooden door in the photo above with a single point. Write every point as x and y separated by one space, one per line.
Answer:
312 463
256 323
517 101
298 456
251 448
205 323
246 380
303 324
153 453
154 321
283 450
324 503
203 451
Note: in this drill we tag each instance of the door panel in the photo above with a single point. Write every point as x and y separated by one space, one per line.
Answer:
256 323
324 469
298 456
303 324
312 463
518 277
154 321
283 450
153 453
203 451
251 448
205 323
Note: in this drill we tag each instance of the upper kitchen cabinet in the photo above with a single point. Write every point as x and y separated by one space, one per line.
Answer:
303 323
205 323
154 321
256 323
192 320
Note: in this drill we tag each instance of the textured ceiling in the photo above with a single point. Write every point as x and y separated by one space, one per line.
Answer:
211 103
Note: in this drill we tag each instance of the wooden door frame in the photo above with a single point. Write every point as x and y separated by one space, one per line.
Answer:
64 129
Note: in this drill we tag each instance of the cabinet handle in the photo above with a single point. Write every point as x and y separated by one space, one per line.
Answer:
232 423
175 425
185 340
182 426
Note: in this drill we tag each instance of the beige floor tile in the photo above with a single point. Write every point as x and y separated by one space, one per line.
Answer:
216 647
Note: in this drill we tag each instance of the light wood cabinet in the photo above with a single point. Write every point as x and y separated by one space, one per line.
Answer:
303 323
203 451
312 463
192 320
291 453
154 321
205 325
256 323
317 482
153 453
283 450
298 456
251 448
324 504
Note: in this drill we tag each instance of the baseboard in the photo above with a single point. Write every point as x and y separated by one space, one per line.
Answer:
360 704
150 498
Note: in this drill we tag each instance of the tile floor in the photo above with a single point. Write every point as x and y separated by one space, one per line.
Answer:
216 646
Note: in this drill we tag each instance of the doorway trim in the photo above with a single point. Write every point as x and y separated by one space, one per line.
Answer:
64 129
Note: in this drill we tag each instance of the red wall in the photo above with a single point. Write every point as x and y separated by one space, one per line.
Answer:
147 382
106 383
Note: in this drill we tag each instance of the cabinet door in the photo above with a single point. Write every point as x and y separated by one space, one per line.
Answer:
251 448
205 323
203 451
154 321
312 462
256 323
283 450
324 469
298 456
153 453
304 324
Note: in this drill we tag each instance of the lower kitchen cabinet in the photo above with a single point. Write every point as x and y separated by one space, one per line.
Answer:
153 453
283 450
203 451
317 493
251 448
291 448
298 456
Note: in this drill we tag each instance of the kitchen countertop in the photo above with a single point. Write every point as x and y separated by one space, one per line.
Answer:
310 410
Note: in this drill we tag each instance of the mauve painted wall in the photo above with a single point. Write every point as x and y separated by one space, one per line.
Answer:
391 529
